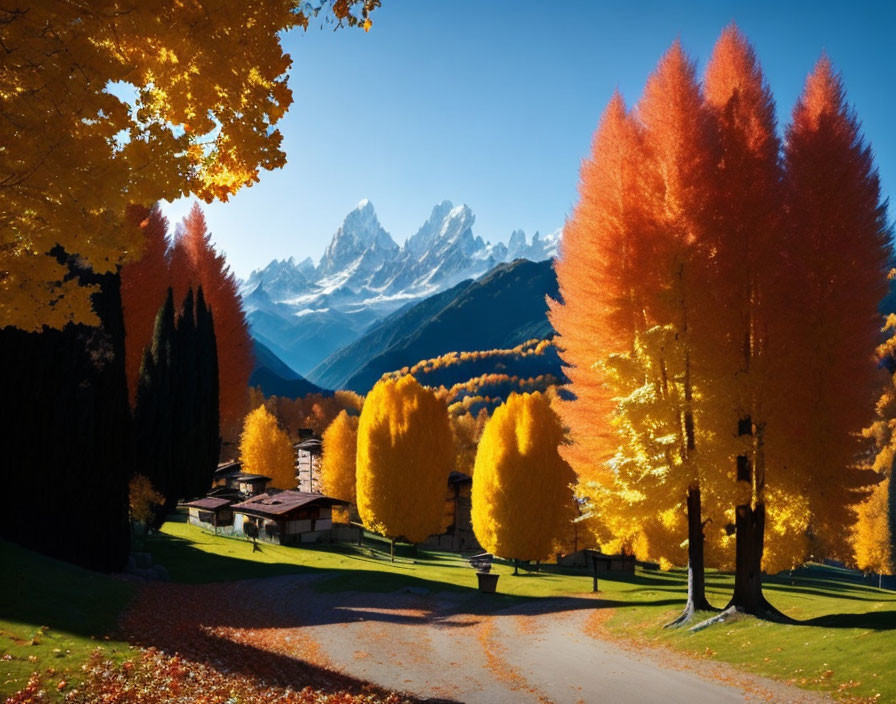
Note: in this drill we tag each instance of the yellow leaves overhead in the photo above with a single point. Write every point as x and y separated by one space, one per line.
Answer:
405 454
108 104
522 495
265 449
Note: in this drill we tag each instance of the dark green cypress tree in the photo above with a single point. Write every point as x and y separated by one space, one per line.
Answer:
154 421
184 408
209 444
177 416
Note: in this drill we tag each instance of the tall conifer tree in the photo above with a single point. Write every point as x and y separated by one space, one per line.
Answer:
209 446
837 222
745 276
153 415
194 263
144 284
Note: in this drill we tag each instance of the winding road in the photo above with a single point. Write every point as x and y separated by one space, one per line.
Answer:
445 646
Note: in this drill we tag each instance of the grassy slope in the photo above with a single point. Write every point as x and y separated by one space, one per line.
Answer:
847 641
54 613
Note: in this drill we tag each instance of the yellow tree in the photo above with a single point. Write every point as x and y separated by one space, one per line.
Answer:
405 455
266 449
522 489
340 449
111 103
467 432
872 539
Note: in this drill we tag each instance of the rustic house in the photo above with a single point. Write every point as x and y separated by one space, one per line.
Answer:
212 513
230 485
225 472
250 484
308 455
287 517
230 475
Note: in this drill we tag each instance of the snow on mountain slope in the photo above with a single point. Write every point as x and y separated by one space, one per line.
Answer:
307 312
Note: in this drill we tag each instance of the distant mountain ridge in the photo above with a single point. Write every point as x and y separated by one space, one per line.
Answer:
505 308
304 313
275 378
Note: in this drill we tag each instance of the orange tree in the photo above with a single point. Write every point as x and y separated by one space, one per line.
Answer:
632 260
144 285
522 488
405 455
688 223
110 103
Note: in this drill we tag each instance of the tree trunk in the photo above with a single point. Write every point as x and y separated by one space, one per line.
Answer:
750 527
750 533
516 567
697 600
748 597
392 549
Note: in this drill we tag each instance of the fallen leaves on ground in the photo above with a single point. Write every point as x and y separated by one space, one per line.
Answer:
153 677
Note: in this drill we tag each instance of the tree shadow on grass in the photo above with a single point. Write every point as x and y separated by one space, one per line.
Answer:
873 621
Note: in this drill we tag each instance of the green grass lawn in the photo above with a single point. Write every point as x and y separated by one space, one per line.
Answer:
845 642
53 615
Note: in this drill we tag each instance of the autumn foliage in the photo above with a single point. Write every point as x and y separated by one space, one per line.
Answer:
834 206
872 535
150 676
522 488
405 454
315 411
266 449
144 284
143 499
340 449
208 85
716 337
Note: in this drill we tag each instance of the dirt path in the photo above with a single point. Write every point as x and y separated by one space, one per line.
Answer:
450 645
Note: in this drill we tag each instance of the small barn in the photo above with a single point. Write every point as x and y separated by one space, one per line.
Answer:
288 517
212 513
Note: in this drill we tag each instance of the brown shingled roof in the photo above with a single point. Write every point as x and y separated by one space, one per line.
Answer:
276 504
209 503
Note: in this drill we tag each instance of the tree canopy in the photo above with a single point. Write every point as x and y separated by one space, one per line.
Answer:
266 449
405 456
339 453
522 488
108 104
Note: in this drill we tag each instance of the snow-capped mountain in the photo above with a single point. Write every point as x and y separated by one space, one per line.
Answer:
305 312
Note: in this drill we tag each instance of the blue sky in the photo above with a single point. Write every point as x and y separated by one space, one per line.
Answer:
493 103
